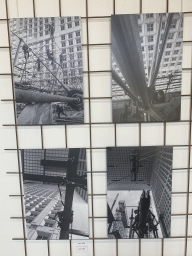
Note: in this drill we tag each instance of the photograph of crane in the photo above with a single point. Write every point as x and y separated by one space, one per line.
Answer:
146 67
139 185
55 193
47 67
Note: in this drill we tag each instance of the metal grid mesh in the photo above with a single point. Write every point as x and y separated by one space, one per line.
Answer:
139 125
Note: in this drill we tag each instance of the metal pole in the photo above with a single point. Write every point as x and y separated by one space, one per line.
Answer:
16 55
126 48
66 216
153 79
64 86
156 51
131 223
120 82
25 96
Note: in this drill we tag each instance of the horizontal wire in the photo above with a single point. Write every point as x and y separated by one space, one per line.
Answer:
96 44
173 169
173 193
106 238
90 71
90 148
91 17
106 217
100 123
92 98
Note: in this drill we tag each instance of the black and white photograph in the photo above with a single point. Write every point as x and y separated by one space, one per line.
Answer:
146 67
139 186
47 67
55 193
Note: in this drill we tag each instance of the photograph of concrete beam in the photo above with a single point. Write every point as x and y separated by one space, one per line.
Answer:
146 67
139 185
47 67
55 193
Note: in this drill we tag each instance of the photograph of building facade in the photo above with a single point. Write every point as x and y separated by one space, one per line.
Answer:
146 66
55 193
47 66
139 185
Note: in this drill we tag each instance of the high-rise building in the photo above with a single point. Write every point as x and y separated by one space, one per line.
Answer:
120 167
43 199
148 168
171 59
42 202
161 185
57 38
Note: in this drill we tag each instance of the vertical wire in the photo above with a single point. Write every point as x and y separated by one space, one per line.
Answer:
16 131
59 8
162 247
42 143
167 6
117 250
70 247
34 8
189 164
140 6
88 67
140 141
114 7
48 248
66 136
164 139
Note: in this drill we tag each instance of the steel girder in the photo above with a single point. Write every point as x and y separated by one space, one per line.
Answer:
120 82
159 57
126 48
25 96
153 66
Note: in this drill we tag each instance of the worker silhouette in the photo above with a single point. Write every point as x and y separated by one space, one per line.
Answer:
25 49
50 56
143 210
60 215
136 219
51 29
60 110
158 97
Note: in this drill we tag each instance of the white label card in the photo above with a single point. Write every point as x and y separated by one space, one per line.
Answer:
82 247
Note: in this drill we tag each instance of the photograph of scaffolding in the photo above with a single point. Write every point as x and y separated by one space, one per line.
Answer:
55 193
139 185
47 67
146 67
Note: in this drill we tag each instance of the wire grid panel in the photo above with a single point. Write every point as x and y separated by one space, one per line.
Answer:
97 132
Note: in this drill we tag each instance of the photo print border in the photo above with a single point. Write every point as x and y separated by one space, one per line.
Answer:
55 193
47 67
139 186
